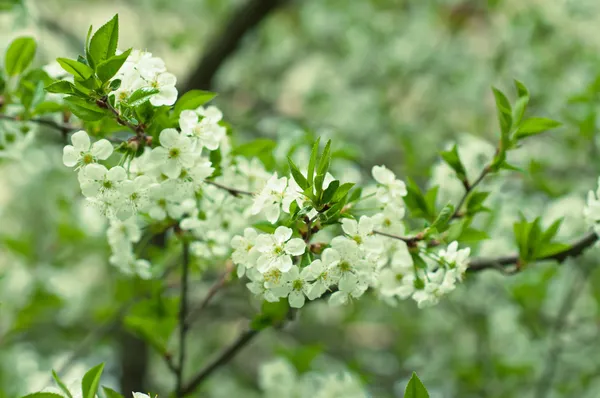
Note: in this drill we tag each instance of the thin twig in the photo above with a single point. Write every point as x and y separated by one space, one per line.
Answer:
183 326
138 129
224 357
574 250
409 240
232 191
63 128
469 187
218 285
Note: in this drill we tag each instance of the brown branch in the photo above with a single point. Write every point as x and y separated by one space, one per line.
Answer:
232 191
574 250
63 128
214 289
183 325
224 357
243 20
469 187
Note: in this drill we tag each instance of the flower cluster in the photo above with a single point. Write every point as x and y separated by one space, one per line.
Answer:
279 378
142 70
352 261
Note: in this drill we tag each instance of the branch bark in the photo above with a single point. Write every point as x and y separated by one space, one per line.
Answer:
243 20
574 250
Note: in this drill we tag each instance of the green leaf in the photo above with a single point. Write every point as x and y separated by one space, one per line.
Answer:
415 388
522 91
342 191
19 55
88 56
535 125
43 395
107 69
330 191
47 107
319 185
504 112
453 159
310 175
103 44
77 69
192 100
475 202
61 385
91 381
114 85
325 159
271 314
519 110
84 110
442 220
418 261
141 95
472 235
110 393
298 177
61 87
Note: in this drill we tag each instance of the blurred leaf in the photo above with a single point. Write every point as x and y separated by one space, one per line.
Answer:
314 153
330 192
415 389
43 395
271 314
504 112
298 177
452 158
19 55
535 125
84 110
111 393
61 385
91 381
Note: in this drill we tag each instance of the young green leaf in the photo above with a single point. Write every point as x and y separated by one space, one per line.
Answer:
61 87
103 44
107 69
111 393
297 174
442 220
141 95
535 125
415 388
522 91
330 191
453 159
342 191
84 110
504 112
271 313
43 395
77 69
19 55
91 381
310 175
192 100
61 385
325 159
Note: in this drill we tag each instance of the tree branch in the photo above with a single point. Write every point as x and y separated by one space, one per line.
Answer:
183 325
243 20
232 191
224 357
211 293
63 128
574 250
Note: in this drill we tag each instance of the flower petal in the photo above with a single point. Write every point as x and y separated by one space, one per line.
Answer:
295 247
282 234
169 138
70 156
102 149
81 141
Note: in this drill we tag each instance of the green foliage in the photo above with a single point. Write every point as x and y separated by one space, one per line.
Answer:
85 110
103 44
61 385
107 69
154 320
535 243
111 393
421 205
192 100
452 158
415 388
271 314
79 70
534 126
19 55
43 395
91 381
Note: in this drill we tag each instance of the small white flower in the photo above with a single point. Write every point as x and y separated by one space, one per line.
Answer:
390 189
269 200
362 233
245 251
457 259
174 154
82 152
295 286
276 250
167 93
97 181
320 272
135 194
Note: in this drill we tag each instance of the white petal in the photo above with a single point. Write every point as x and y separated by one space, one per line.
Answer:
116 174
282 234
171 168
350 226
81 141
102 149
338 298
284 263
296 299
95 171
168 138
272 213
295 247
187 121
70 156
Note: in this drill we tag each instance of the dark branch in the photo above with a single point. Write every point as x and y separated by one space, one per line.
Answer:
63 128
243 20
469 187
574 250
183 325
214 289
232 191
223 358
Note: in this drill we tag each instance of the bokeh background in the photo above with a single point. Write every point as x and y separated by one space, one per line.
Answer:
391 82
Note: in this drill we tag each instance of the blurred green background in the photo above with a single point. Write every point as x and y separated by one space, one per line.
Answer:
391 82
